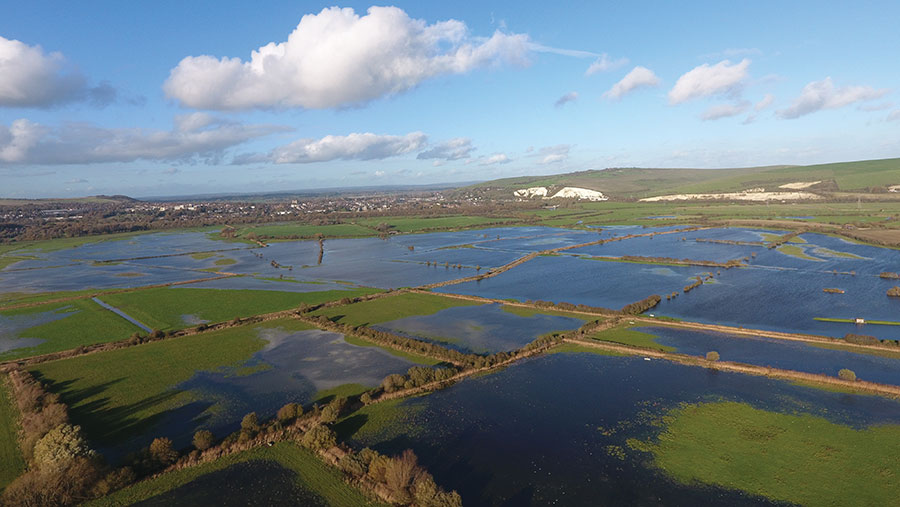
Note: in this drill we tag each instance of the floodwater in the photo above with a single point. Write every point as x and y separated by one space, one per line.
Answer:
553 430
479 329
783 354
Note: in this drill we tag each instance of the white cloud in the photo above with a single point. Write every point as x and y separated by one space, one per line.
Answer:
894 116
29 77
553 154
379 174
496 158
764 102
880 106
569 97
722 78
724 111
337 58
637 78
354 146
195 136
819 95
604 64
454 149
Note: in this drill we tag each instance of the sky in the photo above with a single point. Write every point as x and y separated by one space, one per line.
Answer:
173 98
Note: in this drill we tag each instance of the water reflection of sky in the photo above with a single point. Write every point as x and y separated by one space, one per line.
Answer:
542 431
778 353
480 329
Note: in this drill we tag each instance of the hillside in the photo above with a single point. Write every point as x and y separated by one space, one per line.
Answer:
636 183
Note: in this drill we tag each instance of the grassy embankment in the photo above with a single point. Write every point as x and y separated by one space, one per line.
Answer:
629 336
114 394
85 323
164 308
10 455
796 458
312 473
853 321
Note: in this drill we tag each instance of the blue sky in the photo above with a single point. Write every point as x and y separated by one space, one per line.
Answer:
169 98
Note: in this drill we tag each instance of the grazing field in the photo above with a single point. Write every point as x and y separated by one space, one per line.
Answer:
114 394
391 308
300 231
627 336
83 322
165 308
413 224
798 458
10 456
311 472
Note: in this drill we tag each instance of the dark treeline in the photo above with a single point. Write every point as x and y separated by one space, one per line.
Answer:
641 306
62 467
864 339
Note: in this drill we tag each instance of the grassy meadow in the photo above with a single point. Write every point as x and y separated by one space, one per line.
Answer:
163 308
312 473
632 337
114 394
85 323
391 308
796 458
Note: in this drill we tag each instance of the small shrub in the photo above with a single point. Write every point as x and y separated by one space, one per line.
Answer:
162 452
203 440
846 374
712 355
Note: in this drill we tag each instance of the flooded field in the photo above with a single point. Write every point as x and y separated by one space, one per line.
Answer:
480 329
782 354
559 427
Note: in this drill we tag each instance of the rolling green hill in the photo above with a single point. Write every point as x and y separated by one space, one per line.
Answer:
629 183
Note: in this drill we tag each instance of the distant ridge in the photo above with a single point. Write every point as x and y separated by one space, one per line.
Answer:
871 176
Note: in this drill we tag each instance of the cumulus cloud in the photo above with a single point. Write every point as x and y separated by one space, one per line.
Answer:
569 97
819 95
637 78
894 116
454 149
604 64
496 158
29 77
553 154
365 146
724 111
723 78
338 58
196 135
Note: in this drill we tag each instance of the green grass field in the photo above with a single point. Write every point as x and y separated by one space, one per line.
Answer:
163 308
796 251
630 336
797 458
413 224
391 308
311 472
275 231
86 323
10 455
115 394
